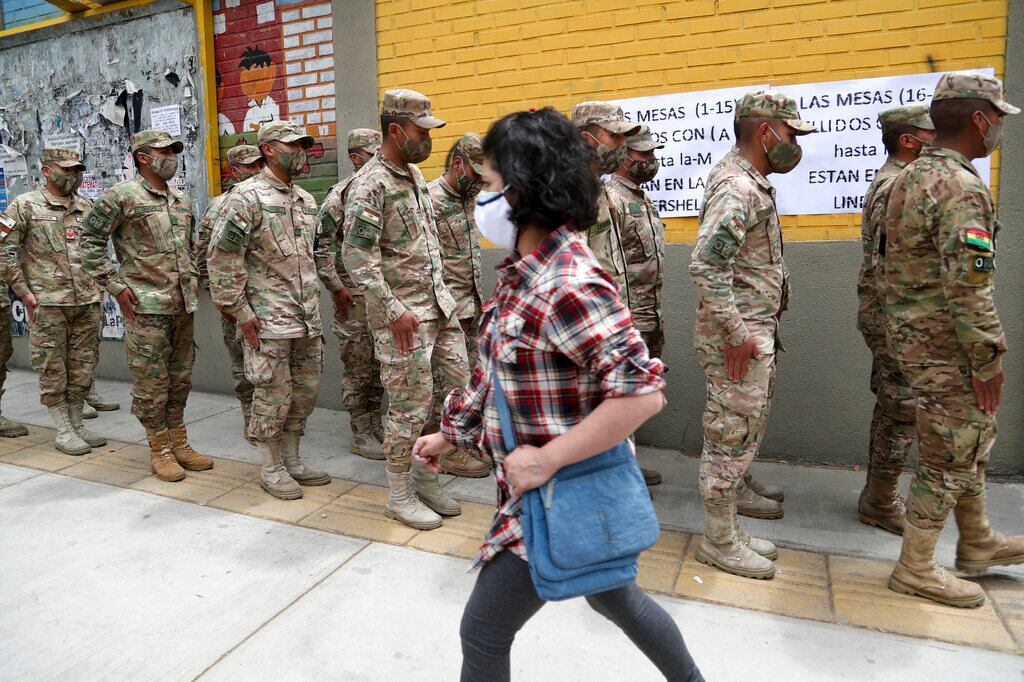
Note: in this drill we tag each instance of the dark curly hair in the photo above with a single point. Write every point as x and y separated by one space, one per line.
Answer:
547 168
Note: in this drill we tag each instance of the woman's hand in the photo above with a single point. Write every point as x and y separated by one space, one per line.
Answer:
526 469
428 450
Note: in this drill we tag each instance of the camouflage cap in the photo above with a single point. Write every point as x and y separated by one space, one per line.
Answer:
472 147
962 85
605 114
915 116
412 105
243 153
285 131
771 104
157 139
364 138
643 141
65 158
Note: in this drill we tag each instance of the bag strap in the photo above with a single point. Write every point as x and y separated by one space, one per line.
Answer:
508 435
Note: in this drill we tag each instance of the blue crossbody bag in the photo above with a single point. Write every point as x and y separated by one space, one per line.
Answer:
585 528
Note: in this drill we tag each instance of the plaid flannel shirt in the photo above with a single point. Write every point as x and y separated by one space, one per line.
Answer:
564 342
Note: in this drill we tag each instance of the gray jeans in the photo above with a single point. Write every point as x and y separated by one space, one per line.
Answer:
504 599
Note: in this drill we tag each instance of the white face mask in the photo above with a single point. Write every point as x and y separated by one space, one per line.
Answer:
491 215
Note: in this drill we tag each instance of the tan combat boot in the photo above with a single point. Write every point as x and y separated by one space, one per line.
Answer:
161 460
772 492
299 472
93 439
916 572
749 503
273 476
9 429
428 489
763 547
183 452
460 463
404 505
881 505
101 404
719 547
364 442
66 440
979 547
651 477
89 412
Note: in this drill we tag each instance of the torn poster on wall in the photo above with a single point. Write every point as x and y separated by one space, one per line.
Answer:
167 119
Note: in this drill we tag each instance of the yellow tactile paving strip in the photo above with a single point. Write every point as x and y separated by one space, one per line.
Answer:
828 588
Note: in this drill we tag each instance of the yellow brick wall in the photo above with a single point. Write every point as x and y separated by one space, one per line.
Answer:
480 59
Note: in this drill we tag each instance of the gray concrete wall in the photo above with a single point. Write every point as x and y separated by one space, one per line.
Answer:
355 65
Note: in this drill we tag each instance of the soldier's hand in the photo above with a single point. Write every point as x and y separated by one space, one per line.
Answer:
342 302
403 331
251 332
737 358
428 450
127 300
30 303
989 393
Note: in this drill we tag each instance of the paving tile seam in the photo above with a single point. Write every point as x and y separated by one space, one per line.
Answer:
830 587
1004 621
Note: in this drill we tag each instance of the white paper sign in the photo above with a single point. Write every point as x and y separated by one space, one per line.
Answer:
167 119
65 141
696 129
92 187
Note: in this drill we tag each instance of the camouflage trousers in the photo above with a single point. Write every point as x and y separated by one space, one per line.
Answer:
361 390
470 329
285 374
415 381
734 421
655 340
893 429
161 350
6 347
65 347
233 342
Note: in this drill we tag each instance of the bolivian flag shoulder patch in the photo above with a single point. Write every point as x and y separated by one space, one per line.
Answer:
368 215
978 239
6 225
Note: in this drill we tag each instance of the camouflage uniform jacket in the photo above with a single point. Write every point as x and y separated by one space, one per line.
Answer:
265 258
47 230
460 246
331 219
603 239
391 249
152 235
939 267
643 243
871 284
205 230
737 261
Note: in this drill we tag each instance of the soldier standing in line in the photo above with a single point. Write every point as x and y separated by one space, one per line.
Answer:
150 223
8 429
41 260
743 287
452 196
265 262
906 131
244 161
391 252
940 235
361 390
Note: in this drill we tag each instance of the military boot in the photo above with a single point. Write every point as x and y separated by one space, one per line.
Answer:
721 548
273 476
772 492
299 472
460 463
428 489
916 572
161 460
881 505
749 503
9 429
66 440
101 404
88 412
979 547
404 505
75 414
183 452
763 547
651 477
364 442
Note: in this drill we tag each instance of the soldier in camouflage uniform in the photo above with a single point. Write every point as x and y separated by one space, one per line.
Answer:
743 287
265 262
940 235
244 161
150 223
361 390
451 196
905 133
8 429
41 260
391 252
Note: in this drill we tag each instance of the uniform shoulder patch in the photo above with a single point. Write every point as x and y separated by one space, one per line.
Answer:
235 234
370 216
724 242
365 230
978 239
634 210
6 225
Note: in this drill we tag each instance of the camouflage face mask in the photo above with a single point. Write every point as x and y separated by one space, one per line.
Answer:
644 171
293 162
784 156
164 166
66 183
609 158
468 187
415 152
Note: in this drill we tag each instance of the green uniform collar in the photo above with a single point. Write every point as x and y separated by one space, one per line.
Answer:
628 184
761 180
